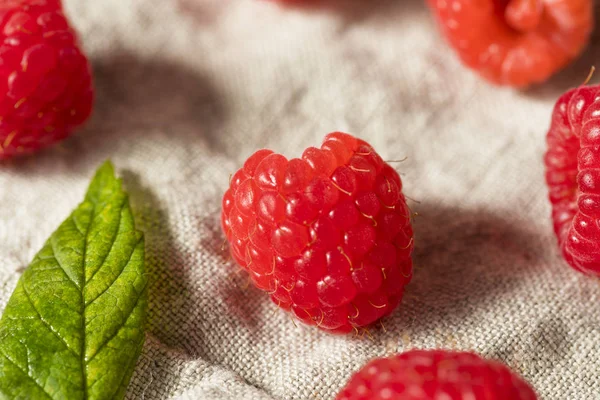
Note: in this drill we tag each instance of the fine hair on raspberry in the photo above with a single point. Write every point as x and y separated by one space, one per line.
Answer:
45 79
572 163
327 235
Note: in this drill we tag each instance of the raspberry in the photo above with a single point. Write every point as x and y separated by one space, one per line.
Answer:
435 375
328 235
573 176
515 42
45 81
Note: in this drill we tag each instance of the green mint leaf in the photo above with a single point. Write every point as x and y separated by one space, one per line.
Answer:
73 328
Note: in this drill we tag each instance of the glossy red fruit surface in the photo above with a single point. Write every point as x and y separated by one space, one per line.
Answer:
327 235
45 79
515 42
435 375
573 176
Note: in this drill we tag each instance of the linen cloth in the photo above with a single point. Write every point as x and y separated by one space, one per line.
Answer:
187 89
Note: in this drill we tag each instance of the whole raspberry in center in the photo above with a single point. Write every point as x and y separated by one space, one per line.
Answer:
45 79
328 235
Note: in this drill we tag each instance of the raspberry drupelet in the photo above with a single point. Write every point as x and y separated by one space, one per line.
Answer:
45 79
436 375
328 235
573 176
515 42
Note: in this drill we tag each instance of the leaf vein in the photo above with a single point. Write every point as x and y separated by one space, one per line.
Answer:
132 360
76 224
83 342
62 267
103 344
85 297
49 326
117 277
112 245
26 374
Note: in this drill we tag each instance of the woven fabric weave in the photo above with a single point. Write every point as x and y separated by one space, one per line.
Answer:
187 89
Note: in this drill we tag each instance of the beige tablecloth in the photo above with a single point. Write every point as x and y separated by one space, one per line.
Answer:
187 89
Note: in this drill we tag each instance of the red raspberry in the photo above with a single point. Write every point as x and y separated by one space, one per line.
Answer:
328 235
45 82
515 42
573 176
436 375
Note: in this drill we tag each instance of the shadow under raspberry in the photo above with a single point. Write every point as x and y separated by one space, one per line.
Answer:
352 11
548 342
465 260
357 10
232 285
152 95
181 284
179 317
138 101
176 313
